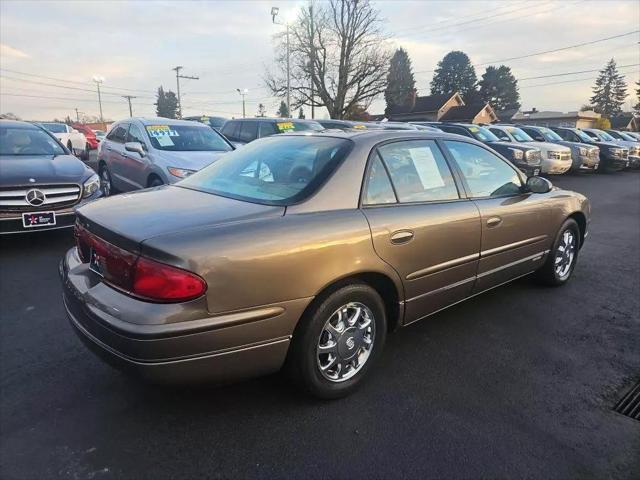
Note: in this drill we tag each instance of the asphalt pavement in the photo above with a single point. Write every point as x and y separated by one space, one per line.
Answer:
519 382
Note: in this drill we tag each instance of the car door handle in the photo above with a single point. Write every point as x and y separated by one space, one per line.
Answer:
401 236
494 222
109 148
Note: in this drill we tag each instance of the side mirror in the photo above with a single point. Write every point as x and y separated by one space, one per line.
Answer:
538 185
135 147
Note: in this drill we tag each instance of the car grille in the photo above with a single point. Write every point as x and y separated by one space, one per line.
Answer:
55 196
559 155
622 153
635 151
533 157
593 153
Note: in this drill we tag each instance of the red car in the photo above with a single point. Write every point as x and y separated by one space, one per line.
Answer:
92 141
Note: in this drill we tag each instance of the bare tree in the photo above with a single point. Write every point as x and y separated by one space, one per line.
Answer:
338 52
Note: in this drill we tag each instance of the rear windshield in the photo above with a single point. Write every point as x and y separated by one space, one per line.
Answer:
272 171
27 141
293 126
55 127
186 138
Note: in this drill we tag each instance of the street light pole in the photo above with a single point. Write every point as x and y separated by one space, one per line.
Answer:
243 93
274 14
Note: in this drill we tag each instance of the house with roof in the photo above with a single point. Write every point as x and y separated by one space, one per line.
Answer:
446 108
626 121
586 119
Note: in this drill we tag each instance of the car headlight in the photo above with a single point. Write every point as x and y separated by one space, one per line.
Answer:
583 151
90 186
180 172
517 154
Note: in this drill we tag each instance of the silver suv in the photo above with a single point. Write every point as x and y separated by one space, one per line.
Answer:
147 152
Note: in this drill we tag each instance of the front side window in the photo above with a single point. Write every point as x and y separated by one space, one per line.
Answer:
277 170
267 129
135 135
230 129
248 131
486 174
186 138
502 135
418 171
118 133
27 141
456 130
378 187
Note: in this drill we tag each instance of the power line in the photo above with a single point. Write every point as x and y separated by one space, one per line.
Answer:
574 73
66 87
577 45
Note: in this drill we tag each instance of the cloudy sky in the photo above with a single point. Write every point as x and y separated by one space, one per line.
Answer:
50 50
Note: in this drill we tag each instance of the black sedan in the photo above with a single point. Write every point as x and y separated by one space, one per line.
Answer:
41 183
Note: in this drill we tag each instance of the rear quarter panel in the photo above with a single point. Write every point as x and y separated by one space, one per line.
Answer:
248 264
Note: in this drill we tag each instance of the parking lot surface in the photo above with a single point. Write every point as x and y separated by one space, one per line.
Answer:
518 382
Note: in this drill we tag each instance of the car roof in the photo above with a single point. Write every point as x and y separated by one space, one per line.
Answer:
380 135
272 119
162 121
18 124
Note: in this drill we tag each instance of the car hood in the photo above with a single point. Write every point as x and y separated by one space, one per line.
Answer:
627 144
131 218
569 144
548 146
188 160
519 146
20 169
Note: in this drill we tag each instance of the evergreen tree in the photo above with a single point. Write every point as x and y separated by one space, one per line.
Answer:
609 91
400 81
283 111
166 103
500 88
262 112
636 107
301 114
455 73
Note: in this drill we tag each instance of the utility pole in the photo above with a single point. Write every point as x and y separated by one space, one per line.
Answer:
77 115
99 81
178 77
243 93
129 97
313 56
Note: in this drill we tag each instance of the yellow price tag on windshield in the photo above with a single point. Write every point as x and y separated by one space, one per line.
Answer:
285 126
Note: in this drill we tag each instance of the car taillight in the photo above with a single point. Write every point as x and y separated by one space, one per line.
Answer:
136 275
164 283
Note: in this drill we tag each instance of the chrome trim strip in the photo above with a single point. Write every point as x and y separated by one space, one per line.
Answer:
442 266
534 257
442 289
509 246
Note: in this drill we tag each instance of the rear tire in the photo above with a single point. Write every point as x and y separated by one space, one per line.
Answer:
338 341
558 268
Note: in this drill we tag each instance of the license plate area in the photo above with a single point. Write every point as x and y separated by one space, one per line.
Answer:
38 219
94 263
536 172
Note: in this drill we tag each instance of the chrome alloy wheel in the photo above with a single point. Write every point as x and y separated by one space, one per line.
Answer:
565 254
346 342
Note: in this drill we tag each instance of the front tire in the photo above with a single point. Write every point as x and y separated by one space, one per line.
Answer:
338 341
563 256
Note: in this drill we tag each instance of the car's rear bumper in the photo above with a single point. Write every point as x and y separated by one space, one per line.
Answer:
219 348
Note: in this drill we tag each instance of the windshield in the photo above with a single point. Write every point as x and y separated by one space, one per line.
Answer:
603 135
55 127
483 134
272 171
626 136
519 135
549 134
186 138
294 126
27 141
583 136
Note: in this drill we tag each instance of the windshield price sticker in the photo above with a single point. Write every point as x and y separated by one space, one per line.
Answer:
474 129
158 131
285 126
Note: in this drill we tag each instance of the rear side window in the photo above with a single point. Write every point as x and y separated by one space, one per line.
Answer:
248 131
267 129
118 134
378 187
456 130
418 171
486 174
230 130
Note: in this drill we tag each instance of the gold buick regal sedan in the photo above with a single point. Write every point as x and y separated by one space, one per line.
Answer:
305 250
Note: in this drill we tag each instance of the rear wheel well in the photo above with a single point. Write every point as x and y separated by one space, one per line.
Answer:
380 282
581 220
